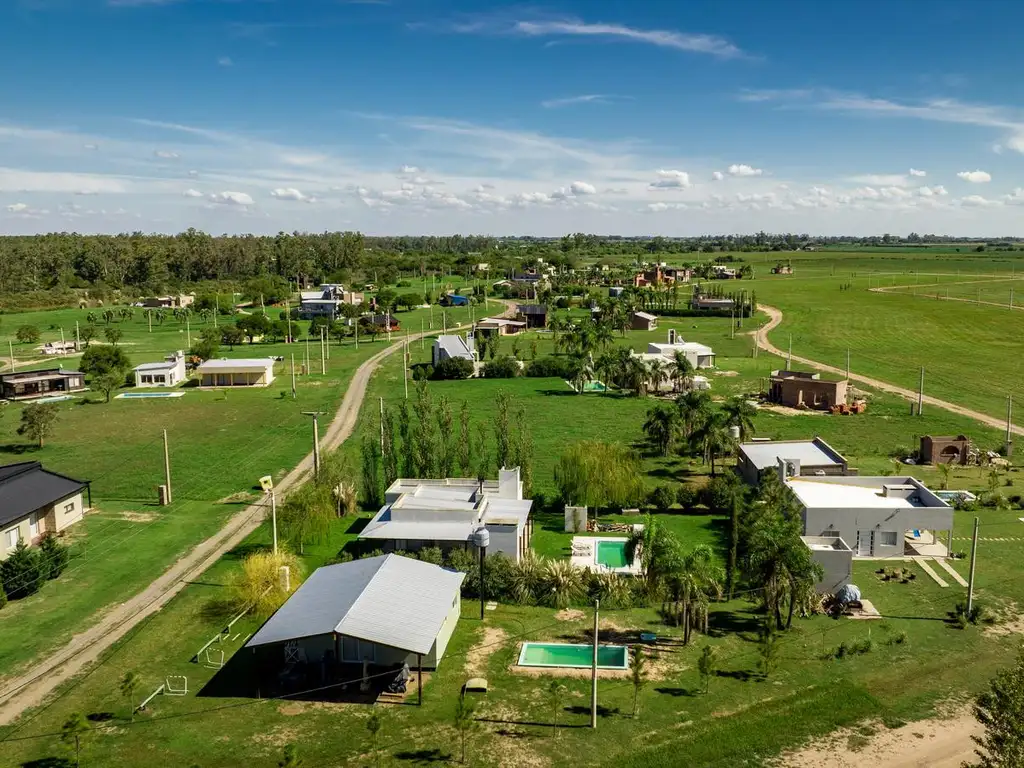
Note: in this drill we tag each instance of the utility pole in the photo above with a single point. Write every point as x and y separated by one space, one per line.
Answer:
78 341
149 314
1009 426
789 362
1011 298
732 322
356 326
188 332
10 347
316 439
307 355
431 317
323 359
974 557
405 366
288 314
216 309
593 671
422 335
273 516
293 375
167 468
847 363
920 393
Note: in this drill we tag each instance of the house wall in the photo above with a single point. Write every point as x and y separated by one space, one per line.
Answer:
818 394
228 378
506 539
53 518
838 567
873 522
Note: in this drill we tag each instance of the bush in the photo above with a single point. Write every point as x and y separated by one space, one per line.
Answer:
21 572
503 367
431 555
422 372
258 586
662 498
453 368
54 556
3 597
549 367
687 496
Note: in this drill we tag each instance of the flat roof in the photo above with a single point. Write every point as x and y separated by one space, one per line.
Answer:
861 492
246 362
167 364
681 346
810 453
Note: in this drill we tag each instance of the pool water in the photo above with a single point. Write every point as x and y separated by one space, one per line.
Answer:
612 554
590 386
573 655
55 399
137 395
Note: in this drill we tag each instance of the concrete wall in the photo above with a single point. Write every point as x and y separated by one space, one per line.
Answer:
836 561
874 522
54 518
817 394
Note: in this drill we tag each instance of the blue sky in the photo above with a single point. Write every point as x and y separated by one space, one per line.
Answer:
435 116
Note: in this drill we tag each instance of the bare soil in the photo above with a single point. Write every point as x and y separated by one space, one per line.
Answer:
476 659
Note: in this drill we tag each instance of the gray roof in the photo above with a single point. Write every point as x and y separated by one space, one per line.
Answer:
390 600
236 363
454 346
810 453
26 487
165 365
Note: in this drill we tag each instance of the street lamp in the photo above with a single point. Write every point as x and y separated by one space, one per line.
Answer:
482 537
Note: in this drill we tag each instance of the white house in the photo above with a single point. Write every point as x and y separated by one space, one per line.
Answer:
169 373
387 610
446 513
790 458
255 372
451 345
699 355
877 516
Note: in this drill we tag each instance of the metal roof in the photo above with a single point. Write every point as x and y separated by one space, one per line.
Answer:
645 316
810 453
26 487
454 346
259 362
390 600
167 364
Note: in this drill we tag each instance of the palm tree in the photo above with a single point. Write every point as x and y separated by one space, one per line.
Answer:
740 413
696 576
694 408
713 438
658 374
944 472
662 427
603 334
635 375
580 373
682 370
779 563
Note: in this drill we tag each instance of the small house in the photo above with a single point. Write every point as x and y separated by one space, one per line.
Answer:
699 355
177 301
56 348
534 315
499 326
802 389
50 381
254 372
387 321
643 321
35 501
384 611
722 272
615 291
792 458
169 373
709 302
450 346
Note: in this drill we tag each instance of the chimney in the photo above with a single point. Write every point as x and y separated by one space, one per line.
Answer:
509 485
788 468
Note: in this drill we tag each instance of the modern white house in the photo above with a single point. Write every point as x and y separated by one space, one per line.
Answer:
790 458
35 501
252 372
699 355
446 513
387 611
877 516
169 373
448 346
326 301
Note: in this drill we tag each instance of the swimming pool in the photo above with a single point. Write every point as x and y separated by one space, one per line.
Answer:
55 399
590 386
140 395
612 554
578 655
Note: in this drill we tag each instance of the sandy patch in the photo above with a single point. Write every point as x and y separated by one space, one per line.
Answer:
138 517
784 410
246 497
476 659
570 614
936 743
727 373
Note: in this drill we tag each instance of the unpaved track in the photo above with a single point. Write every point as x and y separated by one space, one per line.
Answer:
775 316
31 688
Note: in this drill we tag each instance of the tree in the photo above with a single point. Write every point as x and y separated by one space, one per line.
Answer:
662 427
555 692
595 474
767 646
205 348
373 490
503 367
706 665
740 413
727 494
945 470
637 675
107 383
1000 710
373 726
390 452
408 455
423 431
464 720
446 447
713 438
503 428
129 684
257 586
22 572
113 335
681 370
254 325
306 515
290 758
73 733
694 409
453 368
38 421
231 335
104 359
27 334
53 555
87 334
465 444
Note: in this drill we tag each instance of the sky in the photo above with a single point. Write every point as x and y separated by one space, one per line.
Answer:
652 117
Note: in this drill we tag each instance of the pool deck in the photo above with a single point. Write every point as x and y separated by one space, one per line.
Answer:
584 555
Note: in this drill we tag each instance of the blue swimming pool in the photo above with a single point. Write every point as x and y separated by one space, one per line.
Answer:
146 395
55 399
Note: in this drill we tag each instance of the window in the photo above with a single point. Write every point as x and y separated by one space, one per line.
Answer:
888 538
33 525
69 508
830 533
12 538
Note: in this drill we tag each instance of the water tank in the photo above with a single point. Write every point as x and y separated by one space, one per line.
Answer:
481 537
734 432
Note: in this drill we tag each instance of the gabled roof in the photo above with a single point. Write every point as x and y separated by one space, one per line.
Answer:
645 316
532 309
251 363
390 600
26 487
454 346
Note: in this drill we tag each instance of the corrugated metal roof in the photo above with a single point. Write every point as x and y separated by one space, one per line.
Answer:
391 600
454 346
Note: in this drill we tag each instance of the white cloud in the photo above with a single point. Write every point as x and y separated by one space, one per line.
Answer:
717 175
166 155
91 147
409 169
975 177
671 180
880 179
582 188
587 98
977 201
290 193
936 191
916 172
1016 197
744 170
17 208
17 180
231 198
193 173
192 193
225 61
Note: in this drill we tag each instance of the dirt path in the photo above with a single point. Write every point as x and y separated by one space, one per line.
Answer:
936 743
775 316
31 688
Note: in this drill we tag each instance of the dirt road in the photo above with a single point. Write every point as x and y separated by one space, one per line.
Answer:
775 316
31 688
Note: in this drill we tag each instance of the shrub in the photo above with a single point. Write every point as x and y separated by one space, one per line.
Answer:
54 556
3 597
662 498
687 496
21 572
27 334
898 639
503 367
431 555
258 585
422 372
453 368
549 367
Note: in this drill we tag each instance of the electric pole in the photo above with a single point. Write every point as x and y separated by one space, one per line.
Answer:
789 362
847 363
273 516
1009 426
316 439
306 365
593 671
405 366
188 331
974 557
10 347
920 393
167 468
293 375
78 341
323 360
288 313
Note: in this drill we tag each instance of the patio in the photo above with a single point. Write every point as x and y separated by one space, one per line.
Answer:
587 553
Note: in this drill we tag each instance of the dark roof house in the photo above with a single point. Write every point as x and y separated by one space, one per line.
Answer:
34 500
